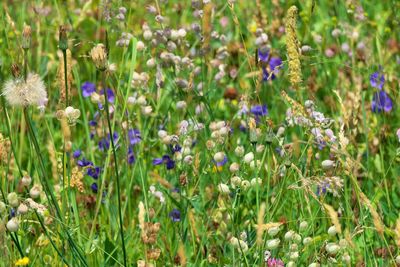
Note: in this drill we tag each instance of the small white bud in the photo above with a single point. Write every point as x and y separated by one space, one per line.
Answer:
303 226
236 181
234 167
328 164
219 156
289 235
332 248
12 225
273 231
332 230
26 180
162 134
22 208
307 240
239 151
140 46
223 189
248 157
273 243
12 199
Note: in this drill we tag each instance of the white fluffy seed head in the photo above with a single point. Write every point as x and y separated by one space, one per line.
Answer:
19 93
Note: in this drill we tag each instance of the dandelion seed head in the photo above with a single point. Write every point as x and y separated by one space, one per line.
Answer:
20 93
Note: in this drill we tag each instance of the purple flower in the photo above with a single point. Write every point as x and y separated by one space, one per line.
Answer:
377 79
175 215
104 143
274 64
110 95
131 156
134 136
169 163
221 163
259 110
84 162
263 56
381 102
93 172
77 153
94 187
88 89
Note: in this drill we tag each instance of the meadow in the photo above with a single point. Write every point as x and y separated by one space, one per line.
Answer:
199 133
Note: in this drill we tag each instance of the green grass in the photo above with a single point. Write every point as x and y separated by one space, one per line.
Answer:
84 227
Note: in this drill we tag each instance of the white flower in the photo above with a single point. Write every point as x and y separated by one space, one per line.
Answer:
248 157
332 230
12 225
273 231
328 164
273 243
19 93
219 156
332 248
223 189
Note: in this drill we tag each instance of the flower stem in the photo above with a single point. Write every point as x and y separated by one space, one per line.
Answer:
65 77
116 165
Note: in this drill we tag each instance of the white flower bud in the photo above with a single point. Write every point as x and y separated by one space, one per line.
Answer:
22 208
188 159
307 240
236 181
162 134
346 259
35 191
147 35
291 264
12 225
239 151
297 238
181 105
273 231
151 63
245 185
332 248
26 180
280 131
219 156
328 164
332 230
398 259
181 33
146 110
303 226
234 167
248 157
140 46
289 235
12 199
223 189
256 181
273 243
294 255
314 265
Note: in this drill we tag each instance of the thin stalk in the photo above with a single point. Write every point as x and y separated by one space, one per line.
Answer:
103 79
46 186
65 77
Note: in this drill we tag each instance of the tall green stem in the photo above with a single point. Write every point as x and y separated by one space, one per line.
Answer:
103 79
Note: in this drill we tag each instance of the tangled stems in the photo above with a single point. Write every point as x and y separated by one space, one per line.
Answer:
103 79
44 182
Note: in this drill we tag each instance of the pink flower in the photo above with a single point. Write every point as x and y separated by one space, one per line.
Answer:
275 263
